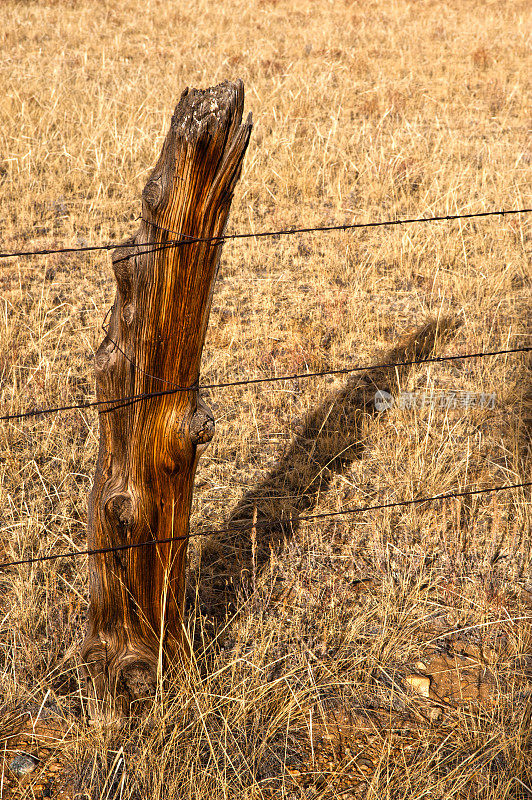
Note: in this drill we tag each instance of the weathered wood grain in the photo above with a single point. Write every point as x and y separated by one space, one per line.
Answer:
149 449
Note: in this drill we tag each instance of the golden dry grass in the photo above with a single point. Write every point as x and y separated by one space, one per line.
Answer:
362 111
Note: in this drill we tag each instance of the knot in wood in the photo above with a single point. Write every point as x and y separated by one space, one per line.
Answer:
153 192
202 426
104 356
122 505
123 265
128 313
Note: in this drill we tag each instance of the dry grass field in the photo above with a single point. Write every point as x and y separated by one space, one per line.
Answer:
380 655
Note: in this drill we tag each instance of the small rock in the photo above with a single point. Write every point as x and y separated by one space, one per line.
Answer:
435 714
365 764
421 666
419 683
23 764
468 650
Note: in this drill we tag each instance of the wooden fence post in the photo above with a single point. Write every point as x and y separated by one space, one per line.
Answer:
149 448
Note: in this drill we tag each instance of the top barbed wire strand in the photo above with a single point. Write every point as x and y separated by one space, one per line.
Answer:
184 239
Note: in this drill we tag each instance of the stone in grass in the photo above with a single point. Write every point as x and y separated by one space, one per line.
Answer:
419 683
23 764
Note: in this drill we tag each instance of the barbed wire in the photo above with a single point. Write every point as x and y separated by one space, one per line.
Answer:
265 524
185 239
296 376
120 402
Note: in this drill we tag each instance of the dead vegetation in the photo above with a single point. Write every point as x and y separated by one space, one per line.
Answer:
382 655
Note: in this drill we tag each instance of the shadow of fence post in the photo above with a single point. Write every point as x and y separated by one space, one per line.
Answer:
331 437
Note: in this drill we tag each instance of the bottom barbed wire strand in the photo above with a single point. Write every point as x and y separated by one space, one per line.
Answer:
267 523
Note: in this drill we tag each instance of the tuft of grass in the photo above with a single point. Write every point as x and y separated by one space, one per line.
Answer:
309 638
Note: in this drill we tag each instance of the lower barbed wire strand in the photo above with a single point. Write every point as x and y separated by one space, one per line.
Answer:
237 529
